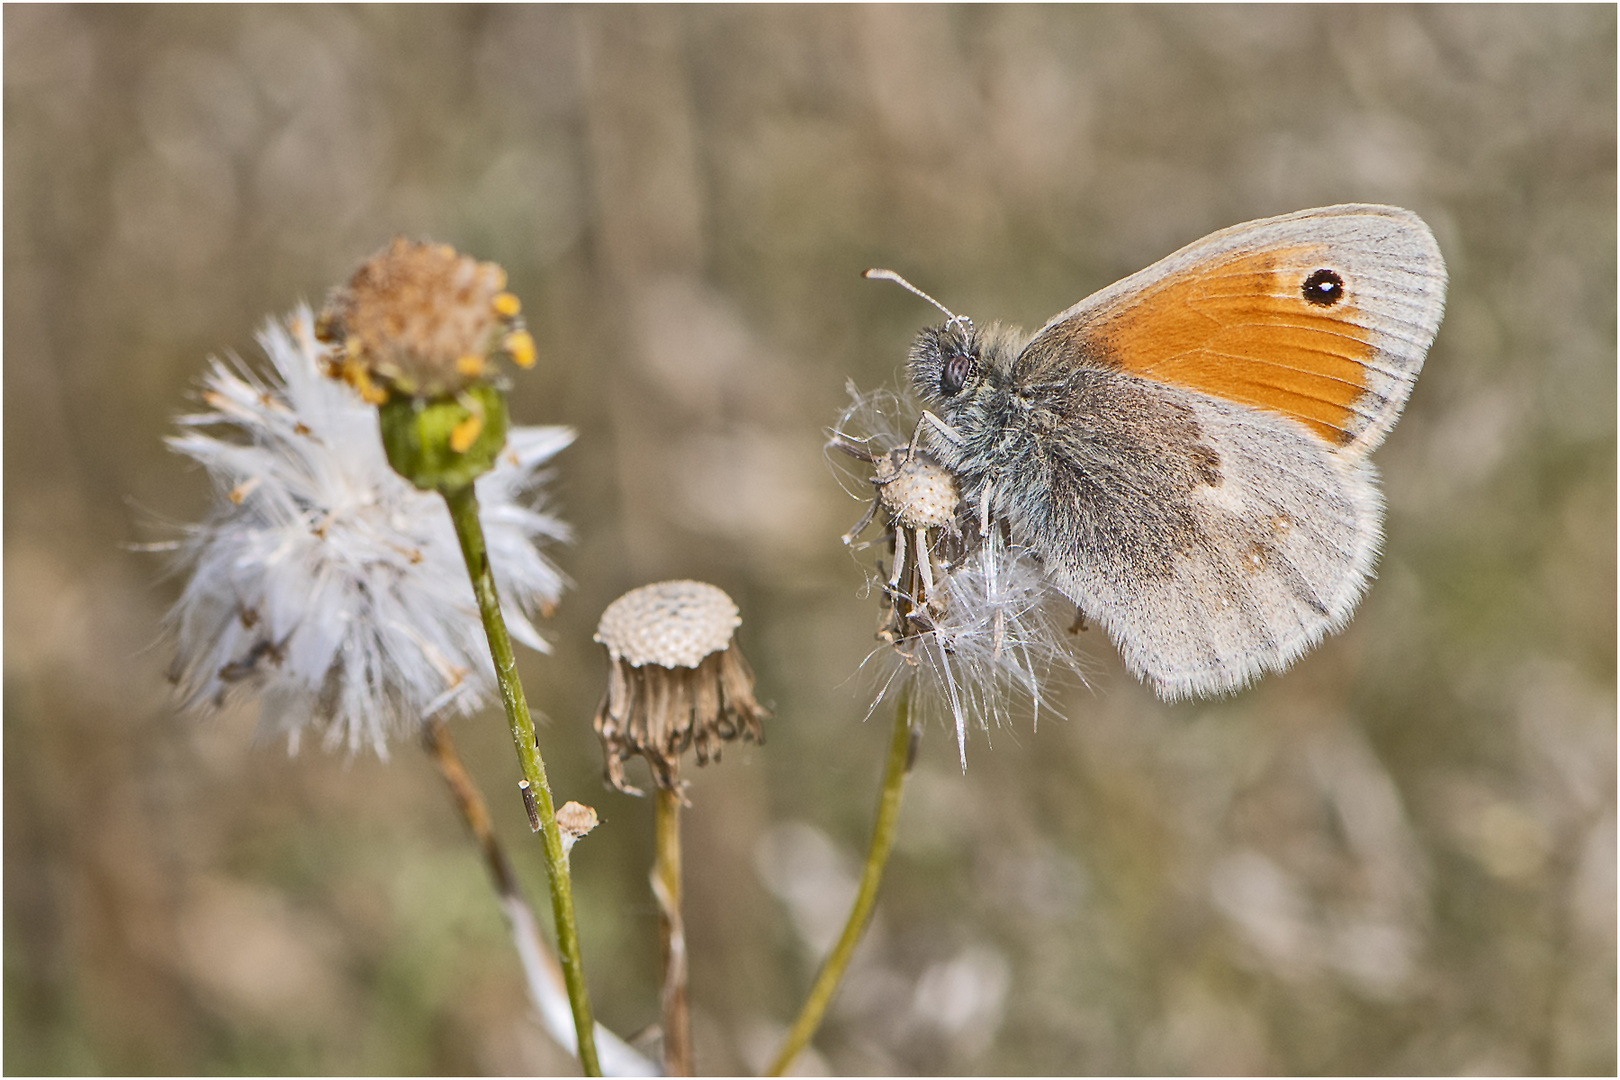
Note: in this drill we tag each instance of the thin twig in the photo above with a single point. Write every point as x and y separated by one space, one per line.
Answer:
902 751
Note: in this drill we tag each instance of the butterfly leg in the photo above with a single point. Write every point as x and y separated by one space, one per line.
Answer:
928 418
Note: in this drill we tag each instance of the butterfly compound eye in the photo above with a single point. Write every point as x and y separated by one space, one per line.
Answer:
1324 288
954 375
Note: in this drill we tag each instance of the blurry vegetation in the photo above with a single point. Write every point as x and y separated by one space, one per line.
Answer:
1400 857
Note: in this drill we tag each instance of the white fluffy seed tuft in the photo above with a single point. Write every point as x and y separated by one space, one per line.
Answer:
322 582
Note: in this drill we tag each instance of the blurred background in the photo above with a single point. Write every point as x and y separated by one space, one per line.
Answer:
1397 858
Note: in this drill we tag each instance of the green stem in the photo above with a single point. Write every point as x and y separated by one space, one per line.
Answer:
902 746
463 503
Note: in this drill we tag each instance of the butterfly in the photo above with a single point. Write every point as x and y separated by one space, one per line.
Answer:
1186 450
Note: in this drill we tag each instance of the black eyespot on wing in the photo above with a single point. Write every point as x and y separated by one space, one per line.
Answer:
954 375
1324 288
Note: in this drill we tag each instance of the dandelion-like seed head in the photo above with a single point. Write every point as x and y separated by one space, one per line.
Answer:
676 678
422 320
964 611
324 583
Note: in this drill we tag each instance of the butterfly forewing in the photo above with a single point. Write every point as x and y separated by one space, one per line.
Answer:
1323 316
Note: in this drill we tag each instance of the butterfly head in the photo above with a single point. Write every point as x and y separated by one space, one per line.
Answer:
945 360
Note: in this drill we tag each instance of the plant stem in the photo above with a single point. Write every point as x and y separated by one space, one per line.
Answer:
902 750
463 503
672 934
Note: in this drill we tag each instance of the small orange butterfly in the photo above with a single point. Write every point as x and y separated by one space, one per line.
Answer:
1186 450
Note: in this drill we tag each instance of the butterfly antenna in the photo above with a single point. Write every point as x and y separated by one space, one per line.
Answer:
890 275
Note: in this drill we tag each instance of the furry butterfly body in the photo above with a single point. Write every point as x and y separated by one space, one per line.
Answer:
1186 450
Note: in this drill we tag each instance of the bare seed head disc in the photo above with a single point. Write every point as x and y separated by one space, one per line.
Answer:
673 624
917 491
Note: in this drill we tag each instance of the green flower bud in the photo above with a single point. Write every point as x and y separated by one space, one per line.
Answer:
444 444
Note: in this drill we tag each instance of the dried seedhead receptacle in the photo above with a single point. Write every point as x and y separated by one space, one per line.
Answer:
676 678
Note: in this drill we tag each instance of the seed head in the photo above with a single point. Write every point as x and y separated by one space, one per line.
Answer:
916 490
964 610
325 584
675 678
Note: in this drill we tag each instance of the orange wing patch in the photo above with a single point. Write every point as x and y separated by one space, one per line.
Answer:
1242 330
